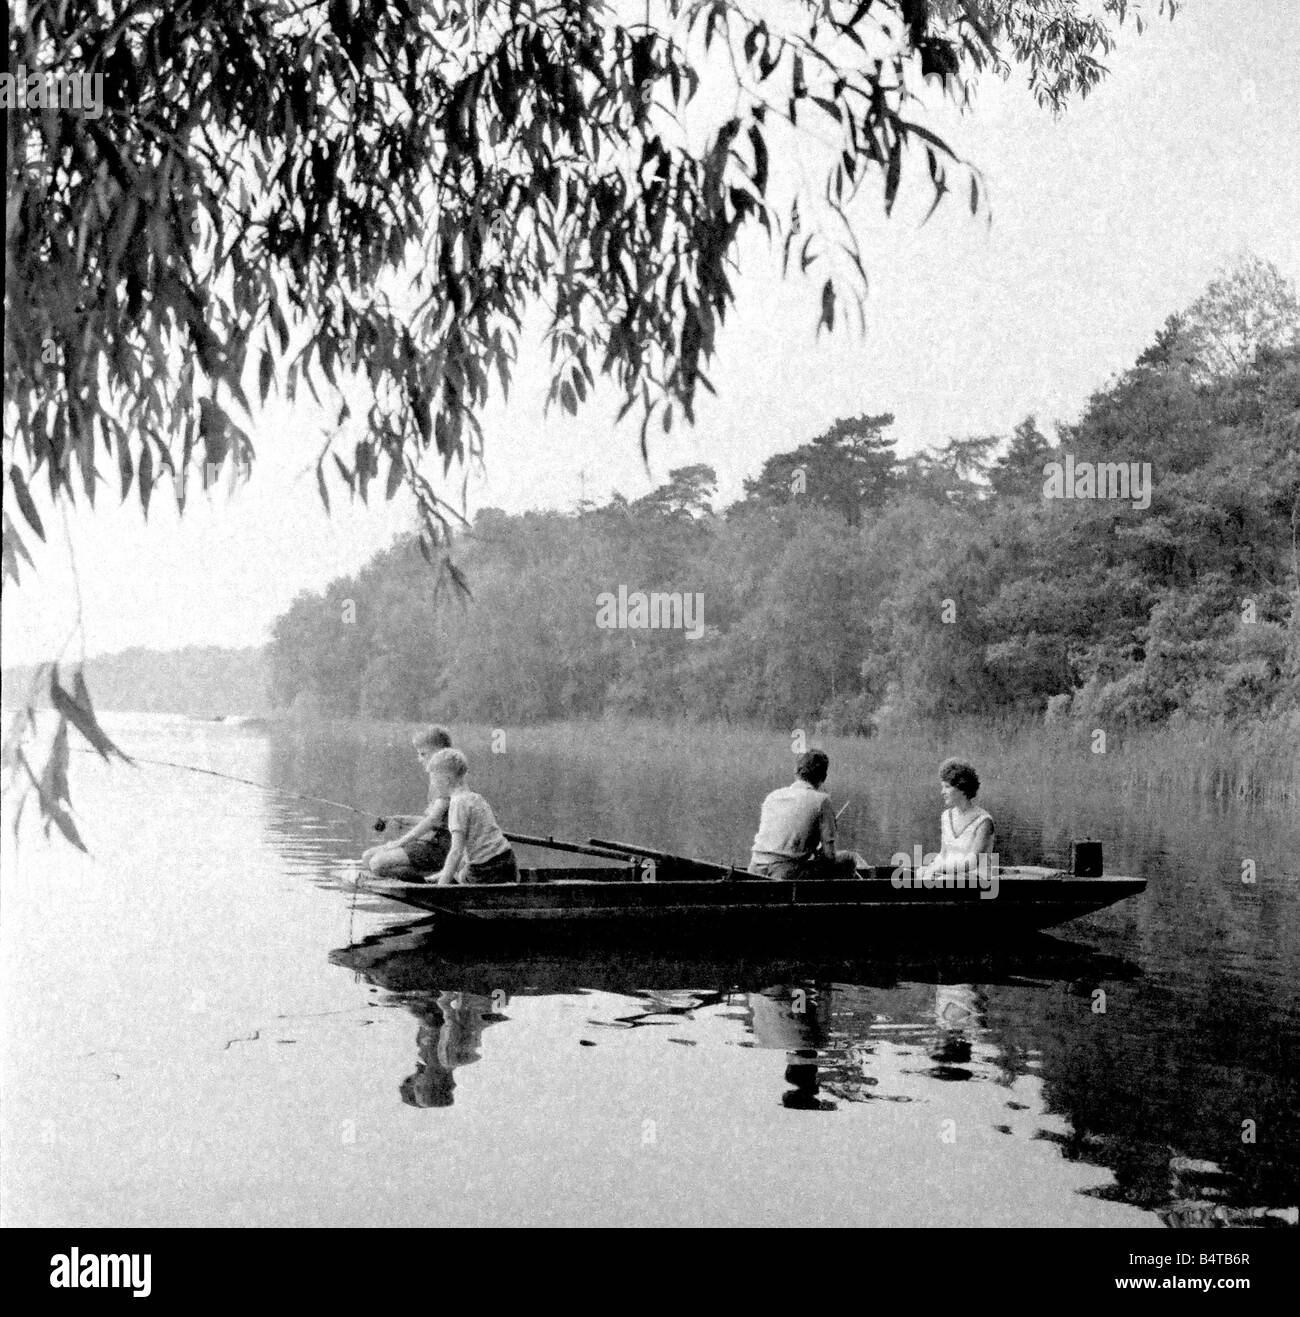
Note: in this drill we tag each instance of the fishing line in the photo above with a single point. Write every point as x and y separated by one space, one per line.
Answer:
379 825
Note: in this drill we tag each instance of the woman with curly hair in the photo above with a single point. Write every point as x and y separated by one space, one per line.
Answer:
965 828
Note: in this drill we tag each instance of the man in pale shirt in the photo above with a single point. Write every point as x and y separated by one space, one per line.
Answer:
796 831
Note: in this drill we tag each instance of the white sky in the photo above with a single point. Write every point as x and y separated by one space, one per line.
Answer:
1103 223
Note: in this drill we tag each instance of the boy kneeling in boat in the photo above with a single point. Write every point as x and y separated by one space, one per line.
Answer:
796 831
423 848
479 851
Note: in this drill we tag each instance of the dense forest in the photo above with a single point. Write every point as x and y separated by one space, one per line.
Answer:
854 586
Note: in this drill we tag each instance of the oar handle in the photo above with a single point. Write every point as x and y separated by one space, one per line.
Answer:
727 870
570 847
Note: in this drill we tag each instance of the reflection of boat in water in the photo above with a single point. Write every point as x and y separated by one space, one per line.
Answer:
699 900
1040 1040
419 957
1013 1029
822 1011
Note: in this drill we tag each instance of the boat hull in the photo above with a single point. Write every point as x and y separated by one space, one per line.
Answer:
600 902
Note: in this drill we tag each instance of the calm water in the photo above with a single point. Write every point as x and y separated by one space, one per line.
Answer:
205 1026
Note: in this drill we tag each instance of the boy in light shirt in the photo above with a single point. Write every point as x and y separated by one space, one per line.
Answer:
479 852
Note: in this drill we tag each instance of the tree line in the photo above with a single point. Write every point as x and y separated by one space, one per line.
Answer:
260 178
852 585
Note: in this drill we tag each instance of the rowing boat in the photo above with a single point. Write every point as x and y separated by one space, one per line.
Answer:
695 897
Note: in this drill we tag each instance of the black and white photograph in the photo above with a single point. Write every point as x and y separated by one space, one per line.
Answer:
651 614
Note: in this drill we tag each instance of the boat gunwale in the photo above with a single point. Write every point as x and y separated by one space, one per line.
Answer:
1057 879
582 901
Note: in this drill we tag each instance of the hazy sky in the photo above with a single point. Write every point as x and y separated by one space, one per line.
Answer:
1104 221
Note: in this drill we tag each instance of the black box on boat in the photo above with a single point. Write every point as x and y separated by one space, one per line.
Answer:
1085 858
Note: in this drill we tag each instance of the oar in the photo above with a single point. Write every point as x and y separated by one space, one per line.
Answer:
723 870
572 847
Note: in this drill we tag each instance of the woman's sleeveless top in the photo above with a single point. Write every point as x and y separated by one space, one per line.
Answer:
963 839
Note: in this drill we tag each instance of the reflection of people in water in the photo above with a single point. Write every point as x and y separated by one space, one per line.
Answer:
793 1018
450 1033
959 1014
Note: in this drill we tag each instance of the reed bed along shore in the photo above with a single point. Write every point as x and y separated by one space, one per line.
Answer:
1257 763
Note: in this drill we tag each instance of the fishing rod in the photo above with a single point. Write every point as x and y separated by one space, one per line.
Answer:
379 825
